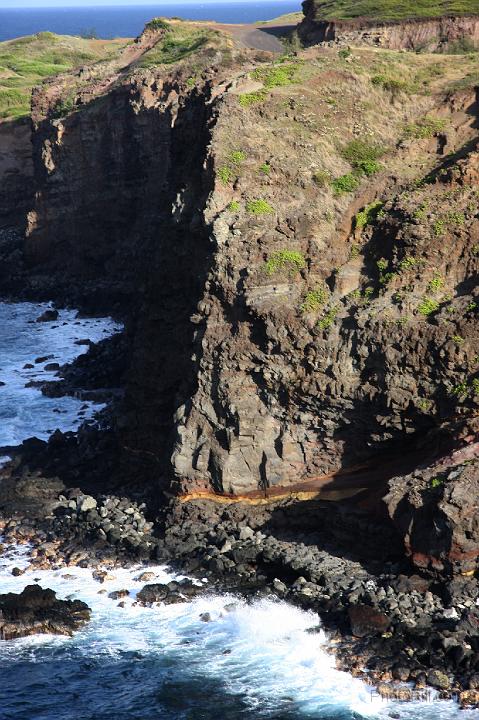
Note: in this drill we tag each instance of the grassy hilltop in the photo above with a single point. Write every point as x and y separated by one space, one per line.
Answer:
392 9
26 61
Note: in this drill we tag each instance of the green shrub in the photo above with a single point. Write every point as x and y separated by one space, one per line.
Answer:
63 107
436 284
328 319
407 263
259 207
314 300
290 261
237 157
363 156
461 390
277 76
345 184
225 174
157 24
458 340
462 46
436 482
456 218
344 53
265 168
392 85
234 206
428 306
368 215
439 228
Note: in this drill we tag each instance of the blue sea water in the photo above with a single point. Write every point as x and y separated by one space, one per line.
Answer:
128 21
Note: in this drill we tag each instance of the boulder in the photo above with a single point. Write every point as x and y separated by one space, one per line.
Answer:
367 621
173 592
87 503
48 316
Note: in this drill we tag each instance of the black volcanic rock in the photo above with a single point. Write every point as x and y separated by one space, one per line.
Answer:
38 611
48 316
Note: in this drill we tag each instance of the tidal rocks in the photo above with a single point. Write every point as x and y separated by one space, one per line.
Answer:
38 611
48 316
170 593
110 520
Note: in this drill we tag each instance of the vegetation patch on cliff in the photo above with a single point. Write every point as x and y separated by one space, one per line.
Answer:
26 61
391 9
179 41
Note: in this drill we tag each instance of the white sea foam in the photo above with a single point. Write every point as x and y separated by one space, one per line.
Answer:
261 651
26 412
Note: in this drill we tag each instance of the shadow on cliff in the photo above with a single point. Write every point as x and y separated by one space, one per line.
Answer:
126 236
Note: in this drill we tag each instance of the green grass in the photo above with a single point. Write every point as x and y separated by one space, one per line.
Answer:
392 9
427 127
278 75
26 61
252 98
179 42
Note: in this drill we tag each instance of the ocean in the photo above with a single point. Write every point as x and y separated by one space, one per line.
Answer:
125 21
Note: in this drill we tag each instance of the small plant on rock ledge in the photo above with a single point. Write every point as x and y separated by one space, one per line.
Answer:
225 175
237 157
259 207
436 284
368 215
314 300
428 306
328 319
289 261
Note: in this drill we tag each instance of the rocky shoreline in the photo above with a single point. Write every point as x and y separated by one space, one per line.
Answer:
397 629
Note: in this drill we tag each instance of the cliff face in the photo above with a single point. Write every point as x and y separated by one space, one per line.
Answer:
16 172
429 35
288 394
298 266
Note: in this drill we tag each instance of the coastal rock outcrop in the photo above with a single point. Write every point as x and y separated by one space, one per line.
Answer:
426 34
38 611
